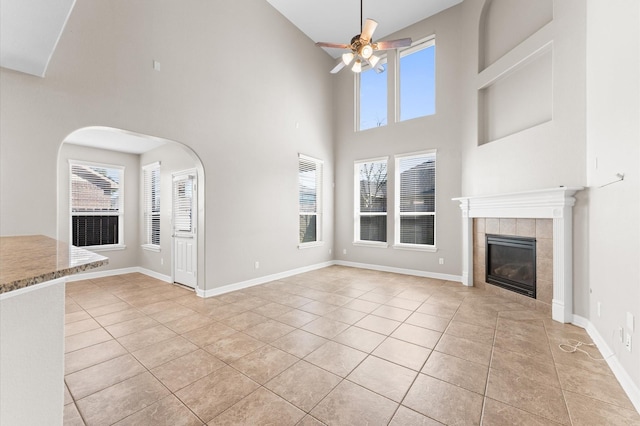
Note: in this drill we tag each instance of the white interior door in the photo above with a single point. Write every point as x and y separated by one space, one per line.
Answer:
185 255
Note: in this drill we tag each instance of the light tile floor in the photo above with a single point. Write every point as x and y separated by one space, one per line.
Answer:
336 346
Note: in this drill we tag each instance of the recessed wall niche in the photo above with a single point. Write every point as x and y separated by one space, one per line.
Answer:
515 80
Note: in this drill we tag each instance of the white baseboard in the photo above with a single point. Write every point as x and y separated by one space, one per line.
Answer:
260 280
632 390
112 272
415 272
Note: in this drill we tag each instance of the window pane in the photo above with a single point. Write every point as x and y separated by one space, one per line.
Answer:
309 198
418 83
417 230
307 228
373 99
94 230
95 189
373 187
417 184
373 228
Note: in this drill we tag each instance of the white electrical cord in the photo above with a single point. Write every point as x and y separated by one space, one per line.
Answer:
576 347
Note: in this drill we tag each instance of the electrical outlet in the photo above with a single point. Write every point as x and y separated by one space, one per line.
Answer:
621 334
329 251
344 251
599 309
257 265
441 261
630 322
162 261
627 342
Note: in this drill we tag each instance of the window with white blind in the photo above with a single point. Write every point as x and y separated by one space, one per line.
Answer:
370 221
310 200
96 205
151 190
415 199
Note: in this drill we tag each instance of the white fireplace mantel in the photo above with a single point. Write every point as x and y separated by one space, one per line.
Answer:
553 203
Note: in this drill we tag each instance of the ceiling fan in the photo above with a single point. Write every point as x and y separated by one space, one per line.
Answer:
362 48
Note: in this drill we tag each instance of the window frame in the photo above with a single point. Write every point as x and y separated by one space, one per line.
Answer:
358 214
416 46
148 210
120 245
358 88
319 164
398 207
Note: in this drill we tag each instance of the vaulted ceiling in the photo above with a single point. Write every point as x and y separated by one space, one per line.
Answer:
30 29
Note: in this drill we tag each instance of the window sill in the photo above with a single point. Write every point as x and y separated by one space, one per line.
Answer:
310 245
415 247
151 247
112 247
375 244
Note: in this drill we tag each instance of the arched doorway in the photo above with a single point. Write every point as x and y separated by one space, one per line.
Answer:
115 196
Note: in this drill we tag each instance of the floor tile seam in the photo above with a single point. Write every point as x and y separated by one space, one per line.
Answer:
486 397
546 417
114 384
378 393
99 363
460 358
596 398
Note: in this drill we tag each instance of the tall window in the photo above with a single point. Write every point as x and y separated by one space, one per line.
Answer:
371 201
310 199
96 204
415 196
151 182
417 79
372 105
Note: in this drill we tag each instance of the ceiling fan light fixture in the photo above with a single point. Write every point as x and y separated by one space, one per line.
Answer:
357 66
366 51
347 58
373 60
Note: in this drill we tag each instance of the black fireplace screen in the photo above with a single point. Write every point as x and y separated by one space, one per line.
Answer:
511 263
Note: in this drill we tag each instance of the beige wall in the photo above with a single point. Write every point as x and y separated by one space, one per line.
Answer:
613 141
440 131
229 88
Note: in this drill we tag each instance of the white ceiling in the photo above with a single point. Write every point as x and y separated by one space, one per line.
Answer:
114 140
337 21
29 32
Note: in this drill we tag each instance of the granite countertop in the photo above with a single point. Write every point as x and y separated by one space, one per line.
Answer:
33 259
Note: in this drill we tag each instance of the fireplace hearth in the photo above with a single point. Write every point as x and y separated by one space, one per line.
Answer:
511 263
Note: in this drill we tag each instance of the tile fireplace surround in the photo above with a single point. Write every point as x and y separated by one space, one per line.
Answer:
553 203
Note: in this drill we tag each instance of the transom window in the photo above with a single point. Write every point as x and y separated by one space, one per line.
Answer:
371 201
417 80
151 179
310 199
415 199
96 204
372 102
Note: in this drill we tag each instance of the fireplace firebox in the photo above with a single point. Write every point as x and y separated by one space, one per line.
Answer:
511 263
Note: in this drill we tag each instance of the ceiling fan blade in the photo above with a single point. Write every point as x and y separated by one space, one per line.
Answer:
337 68
392 44
333 45
368 29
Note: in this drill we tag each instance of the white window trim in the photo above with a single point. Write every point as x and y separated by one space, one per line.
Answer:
319 204
148 246
396 226
356 205
104 247
416 46
356 114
